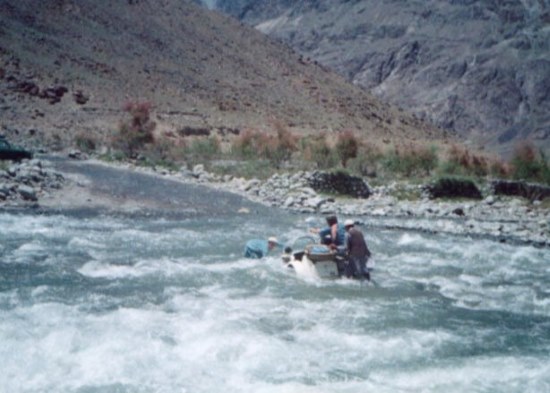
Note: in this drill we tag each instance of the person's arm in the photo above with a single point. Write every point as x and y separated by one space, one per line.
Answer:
334 233
263 248
324 234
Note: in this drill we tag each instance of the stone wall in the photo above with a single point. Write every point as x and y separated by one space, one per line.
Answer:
339 183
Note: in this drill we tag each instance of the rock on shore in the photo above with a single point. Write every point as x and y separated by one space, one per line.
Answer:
24 183
499 217
503 218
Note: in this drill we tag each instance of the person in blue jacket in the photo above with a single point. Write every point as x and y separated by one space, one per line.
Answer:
259 248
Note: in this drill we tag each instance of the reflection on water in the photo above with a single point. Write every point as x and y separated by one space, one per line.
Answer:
132 305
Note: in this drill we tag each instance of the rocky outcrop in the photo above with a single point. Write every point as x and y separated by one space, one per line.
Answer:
52 94
24 183
339 183
453 188
471 66
532 192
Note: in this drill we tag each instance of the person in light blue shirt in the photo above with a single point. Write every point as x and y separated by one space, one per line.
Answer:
259 248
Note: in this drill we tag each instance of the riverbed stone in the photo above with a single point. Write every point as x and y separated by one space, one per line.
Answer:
28 193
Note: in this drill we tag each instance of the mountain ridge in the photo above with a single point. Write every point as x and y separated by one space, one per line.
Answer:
200 69
479 67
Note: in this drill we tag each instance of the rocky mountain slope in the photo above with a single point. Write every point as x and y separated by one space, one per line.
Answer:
481 67
67 68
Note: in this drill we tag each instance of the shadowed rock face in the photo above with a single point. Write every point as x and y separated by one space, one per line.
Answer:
532 192
481 67
453 188
339 183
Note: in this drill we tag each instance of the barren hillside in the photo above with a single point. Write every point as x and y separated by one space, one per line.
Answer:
67 67
480 67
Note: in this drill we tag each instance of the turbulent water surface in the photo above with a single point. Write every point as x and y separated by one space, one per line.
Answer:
120 304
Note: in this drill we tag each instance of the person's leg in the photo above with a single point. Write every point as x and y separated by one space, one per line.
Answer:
352 268
364 270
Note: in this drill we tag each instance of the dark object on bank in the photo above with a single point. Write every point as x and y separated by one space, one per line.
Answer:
12 152
449 187
339 183
533 192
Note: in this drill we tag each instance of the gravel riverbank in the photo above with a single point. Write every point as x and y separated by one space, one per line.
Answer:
506 219
59 183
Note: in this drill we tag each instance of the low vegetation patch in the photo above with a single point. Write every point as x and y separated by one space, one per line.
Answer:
530 164
135 132
260 153
411 160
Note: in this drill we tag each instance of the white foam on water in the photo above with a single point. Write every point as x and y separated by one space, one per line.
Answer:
30 248
164 266
476 274
215 321
305 271
410 238
473 374
542 306
88 242
218 337
98 269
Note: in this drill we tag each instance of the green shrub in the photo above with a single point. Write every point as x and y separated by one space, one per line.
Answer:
260 169
203 149
425 159
249 144
317 150
163 152
347 146
274 148
498 168
279 149
528 164
367 160
461 162
86 142
137 131
411 160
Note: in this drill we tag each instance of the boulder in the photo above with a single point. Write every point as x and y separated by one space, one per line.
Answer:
530 191
452 188
27 193
339 183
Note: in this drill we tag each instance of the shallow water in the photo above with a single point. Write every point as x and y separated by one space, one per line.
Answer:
111 304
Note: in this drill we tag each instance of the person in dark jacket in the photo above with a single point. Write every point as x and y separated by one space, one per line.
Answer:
357 252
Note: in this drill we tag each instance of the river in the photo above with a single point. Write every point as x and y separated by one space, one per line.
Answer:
114 303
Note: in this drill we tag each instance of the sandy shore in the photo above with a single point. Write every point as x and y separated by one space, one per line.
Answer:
91 185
